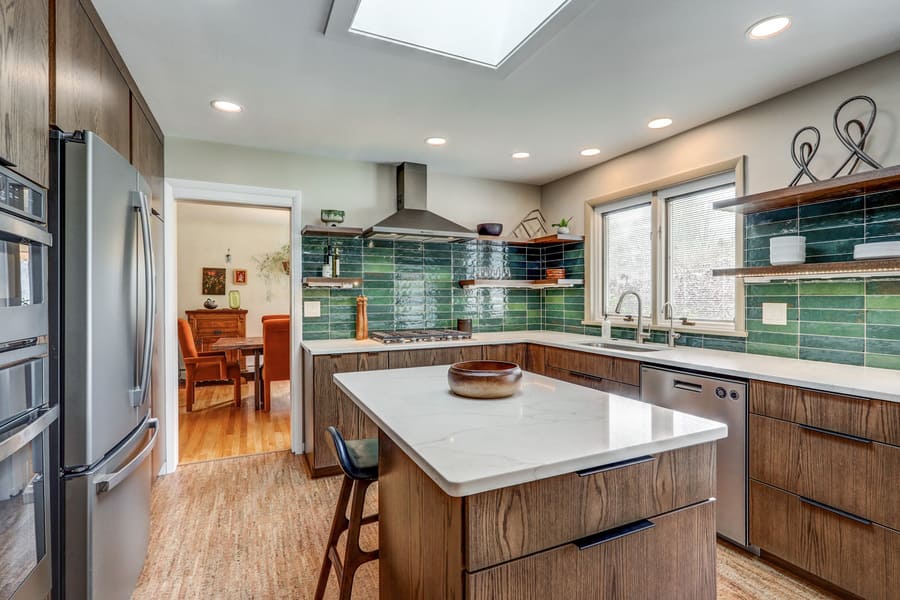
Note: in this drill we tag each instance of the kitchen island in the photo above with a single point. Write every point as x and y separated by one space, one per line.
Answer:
557 492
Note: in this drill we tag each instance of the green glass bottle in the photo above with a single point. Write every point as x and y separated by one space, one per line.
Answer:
234 299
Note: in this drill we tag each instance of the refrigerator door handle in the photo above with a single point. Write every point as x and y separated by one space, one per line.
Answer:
23 437
141 202
108 483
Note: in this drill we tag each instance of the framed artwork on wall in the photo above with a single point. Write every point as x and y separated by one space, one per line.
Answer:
239 276
213 281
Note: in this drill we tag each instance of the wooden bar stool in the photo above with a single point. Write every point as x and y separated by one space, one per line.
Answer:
359 462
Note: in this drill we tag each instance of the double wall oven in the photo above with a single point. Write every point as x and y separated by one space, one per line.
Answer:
27 418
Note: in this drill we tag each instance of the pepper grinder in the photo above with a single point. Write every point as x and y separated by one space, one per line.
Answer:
362 318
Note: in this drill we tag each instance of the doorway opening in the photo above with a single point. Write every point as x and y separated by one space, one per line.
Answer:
236 248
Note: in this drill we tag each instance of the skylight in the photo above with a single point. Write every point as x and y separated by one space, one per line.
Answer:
477 31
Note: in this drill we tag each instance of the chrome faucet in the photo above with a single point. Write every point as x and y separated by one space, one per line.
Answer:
639 335
671 335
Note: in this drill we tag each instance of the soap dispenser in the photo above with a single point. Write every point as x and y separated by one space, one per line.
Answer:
606 328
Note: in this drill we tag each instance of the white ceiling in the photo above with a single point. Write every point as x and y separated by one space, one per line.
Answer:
596 83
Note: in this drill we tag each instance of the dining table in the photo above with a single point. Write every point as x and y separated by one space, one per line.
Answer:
246 345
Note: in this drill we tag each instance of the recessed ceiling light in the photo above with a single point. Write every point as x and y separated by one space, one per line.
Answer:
435 141
590 152
659 123
520 154
226 106
769 27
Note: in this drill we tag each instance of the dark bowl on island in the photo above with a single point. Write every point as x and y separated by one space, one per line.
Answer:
490 228
486 379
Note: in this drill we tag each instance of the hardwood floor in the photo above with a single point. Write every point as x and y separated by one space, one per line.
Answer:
255 527
217 429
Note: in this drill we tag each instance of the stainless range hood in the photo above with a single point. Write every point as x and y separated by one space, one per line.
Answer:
413 221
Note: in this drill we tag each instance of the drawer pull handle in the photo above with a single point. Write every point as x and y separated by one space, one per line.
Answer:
613 534
586 375
837 511
613 466
846 436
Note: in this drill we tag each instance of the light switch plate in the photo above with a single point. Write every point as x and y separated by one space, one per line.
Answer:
312 308
774 313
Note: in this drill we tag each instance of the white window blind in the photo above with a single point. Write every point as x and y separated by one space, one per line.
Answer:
627 254
700 239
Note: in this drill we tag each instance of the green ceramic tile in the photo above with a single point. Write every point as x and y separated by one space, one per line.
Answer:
758 325
835 356
883 332
883 287
762 337
883 346
832 288
883 302
772 350
883 361
883 317
832 302
771 289
849 344
827 315
833 329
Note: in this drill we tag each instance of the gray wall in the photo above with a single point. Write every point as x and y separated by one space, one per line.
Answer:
762 132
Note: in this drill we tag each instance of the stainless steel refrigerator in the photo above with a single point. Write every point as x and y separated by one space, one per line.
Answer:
105 315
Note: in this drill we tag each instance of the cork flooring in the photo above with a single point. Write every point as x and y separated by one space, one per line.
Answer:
254 528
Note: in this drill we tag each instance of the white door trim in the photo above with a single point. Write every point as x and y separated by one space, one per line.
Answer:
185 189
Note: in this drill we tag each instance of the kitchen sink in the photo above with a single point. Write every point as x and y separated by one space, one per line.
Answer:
624 347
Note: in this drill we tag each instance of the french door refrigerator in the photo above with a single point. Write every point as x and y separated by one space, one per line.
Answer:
104 274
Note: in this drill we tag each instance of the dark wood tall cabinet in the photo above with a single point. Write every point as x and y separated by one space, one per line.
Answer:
147 153
25 87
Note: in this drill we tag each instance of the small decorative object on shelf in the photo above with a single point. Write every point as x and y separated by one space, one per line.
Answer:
234 299
489 228
787 250
362 318
331 216
533 225
853 134
210 304
556 273
563 225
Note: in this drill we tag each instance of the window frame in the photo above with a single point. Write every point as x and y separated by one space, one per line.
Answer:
704 177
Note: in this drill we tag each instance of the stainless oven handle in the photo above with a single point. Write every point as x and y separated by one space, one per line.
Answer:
23 437
108 483
139 393
23 229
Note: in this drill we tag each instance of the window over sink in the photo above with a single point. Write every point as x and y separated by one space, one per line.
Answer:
664 244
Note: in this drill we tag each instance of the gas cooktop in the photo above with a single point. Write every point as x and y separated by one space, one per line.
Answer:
411 336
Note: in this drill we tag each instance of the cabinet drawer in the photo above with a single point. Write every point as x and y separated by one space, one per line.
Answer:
595 365
854 475
400 359
512 522
857 556
217 325
669 556
871 419
596 383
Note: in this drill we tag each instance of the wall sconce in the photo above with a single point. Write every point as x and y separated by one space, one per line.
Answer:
228 256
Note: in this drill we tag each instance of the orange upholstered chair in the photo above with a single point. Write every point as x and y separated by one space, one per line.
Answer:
205 366
270 317
276 355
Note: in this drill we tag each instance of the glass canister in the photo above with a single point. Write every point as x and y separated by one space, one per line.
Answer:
234 299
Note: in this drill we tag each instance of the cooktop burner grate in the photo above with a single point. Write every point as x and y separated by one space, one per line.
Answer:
410 336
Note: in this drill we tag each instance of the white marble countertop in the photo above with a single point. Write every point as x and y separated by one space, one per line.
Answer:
548 428
867 382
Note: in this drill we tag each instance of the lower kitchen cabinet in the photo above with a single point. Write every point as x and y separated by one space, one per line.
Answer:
401 359
604 373
514 353
606 565
854 554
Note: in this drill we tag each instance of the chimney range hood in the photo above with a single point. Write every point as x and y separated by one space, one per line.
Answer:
413 221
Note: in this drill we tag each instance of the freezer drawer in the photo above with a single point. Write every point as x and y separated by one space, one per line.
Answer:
25 507
107 516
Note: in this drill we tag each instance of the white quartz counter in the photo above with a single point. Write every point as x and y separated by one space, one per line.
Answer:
548 428
868 382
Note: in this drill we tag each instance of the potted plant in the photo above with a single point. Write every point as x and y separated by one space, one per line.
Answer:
272 266
563 225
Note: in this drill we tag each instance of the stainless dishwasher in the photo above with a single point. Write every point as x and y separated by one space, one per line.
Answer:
719 399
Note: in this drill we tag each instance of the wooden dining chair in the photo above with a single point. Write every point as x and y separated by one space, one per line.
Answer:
205 366
276 356
270 317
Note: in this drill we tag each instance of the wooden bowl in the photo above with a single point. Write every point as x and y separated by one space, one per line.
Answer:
484 379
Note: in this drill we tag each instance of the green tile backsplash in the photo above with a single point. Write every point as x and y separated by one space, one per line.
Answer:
852 320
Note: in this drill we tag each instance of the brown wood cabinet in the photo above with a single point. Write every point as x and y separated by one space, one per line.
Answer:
209 325
514 353
823 488
594 366
25 87
535 358
325 405
147 153
668 556
401 359
90 91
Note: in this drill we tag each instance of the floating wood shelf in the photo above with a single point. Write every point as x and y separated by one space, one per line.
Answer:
520 283
331 231
820 191
878 267
332 282
556 238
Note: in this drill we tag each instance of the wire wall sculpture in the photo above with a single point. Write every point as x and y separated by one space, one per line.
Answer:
852 133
